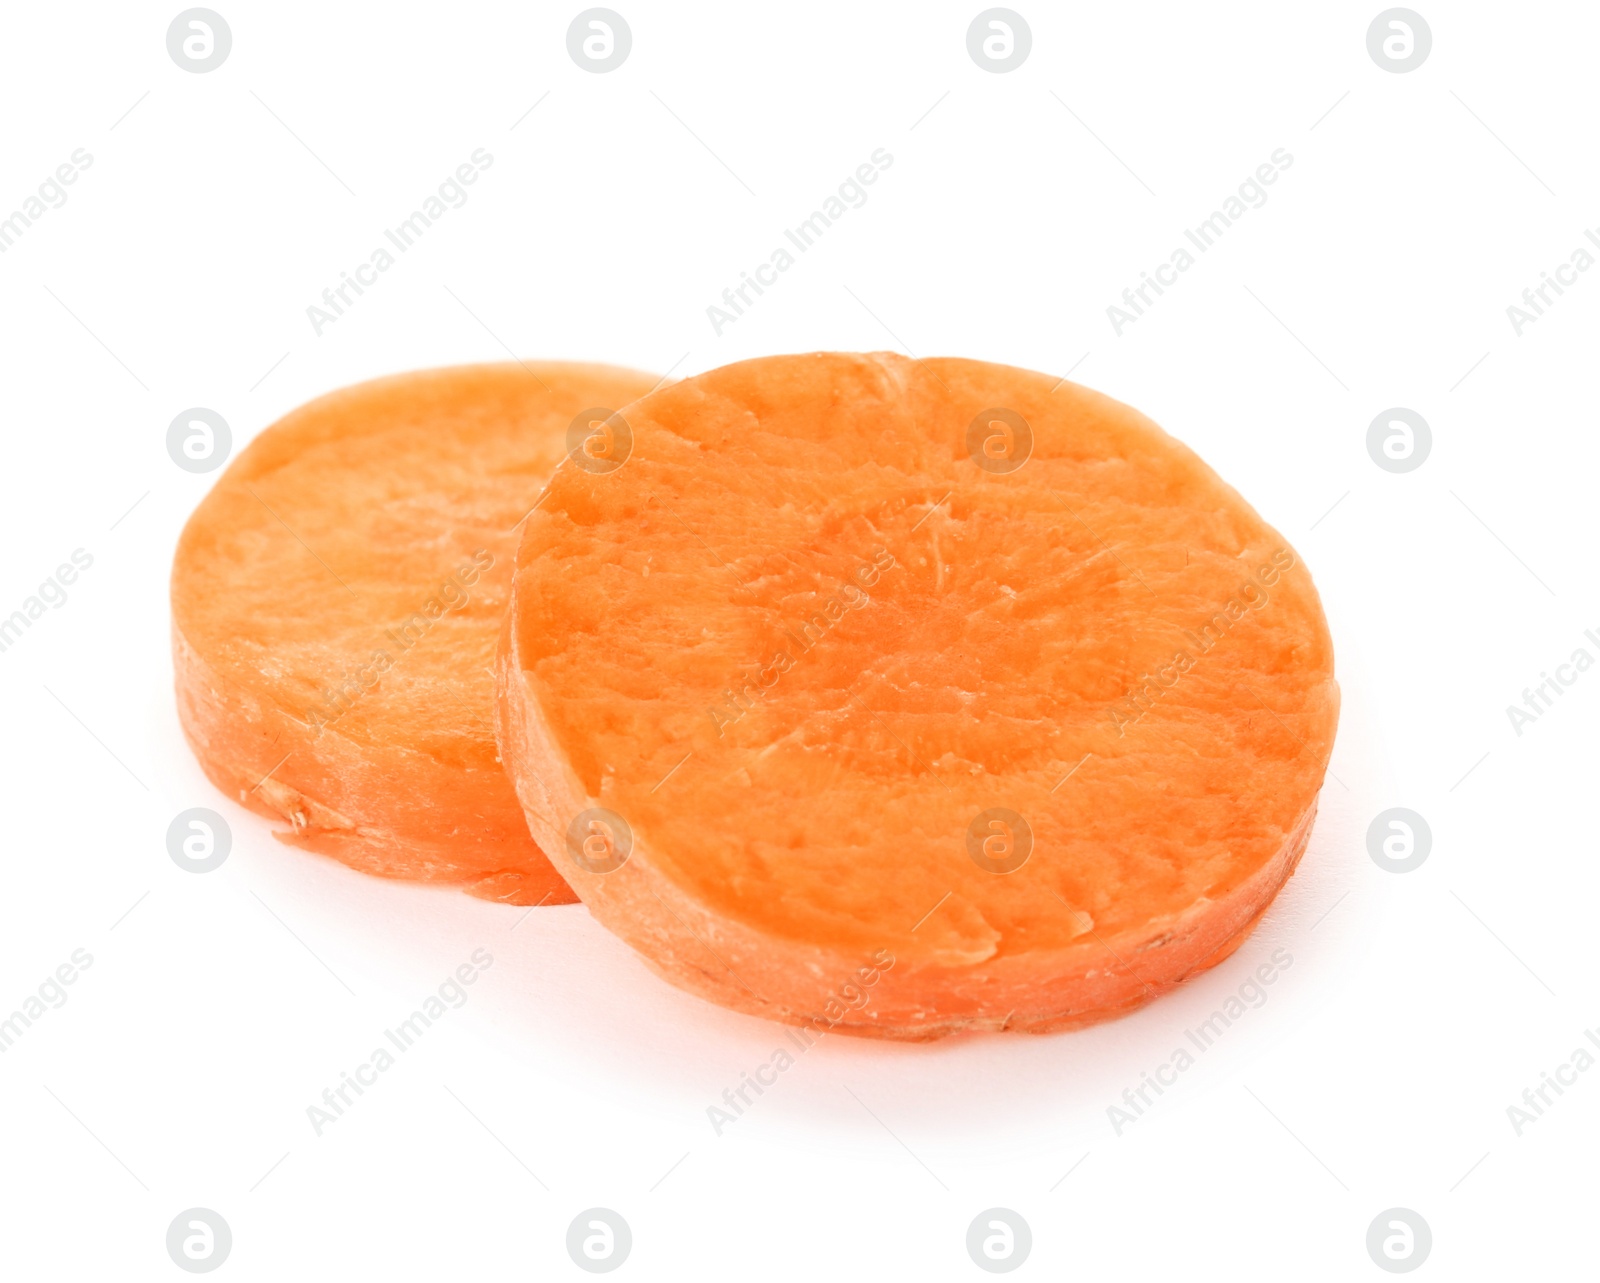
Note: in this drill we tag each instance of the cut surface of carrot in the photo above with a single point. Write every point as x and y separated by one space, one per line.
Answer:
336 600
914 697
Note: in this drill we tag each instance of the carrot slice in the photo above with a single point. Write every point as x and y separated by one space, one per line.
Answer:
914 697
335 604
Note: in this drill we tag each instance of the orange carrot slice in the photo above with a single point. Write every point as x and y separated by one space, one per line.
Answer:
335 604
908 698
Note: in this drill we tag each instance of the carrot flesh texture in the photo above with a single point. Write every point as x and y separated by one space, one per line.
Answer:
803 642
336 601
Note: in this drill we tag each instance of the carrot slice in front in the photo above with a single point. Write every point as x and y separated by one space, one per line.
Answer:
914 697
335 603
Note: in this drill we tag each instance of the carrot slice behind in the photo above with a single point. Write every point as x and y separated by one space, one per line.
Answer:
336 600
919 696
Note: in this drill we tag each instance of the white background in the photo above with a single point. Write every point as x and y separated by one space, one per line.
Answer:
218 1007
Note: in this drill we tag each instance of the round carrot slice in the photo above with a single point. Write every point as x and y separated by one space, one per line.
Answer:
335 605
908 697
